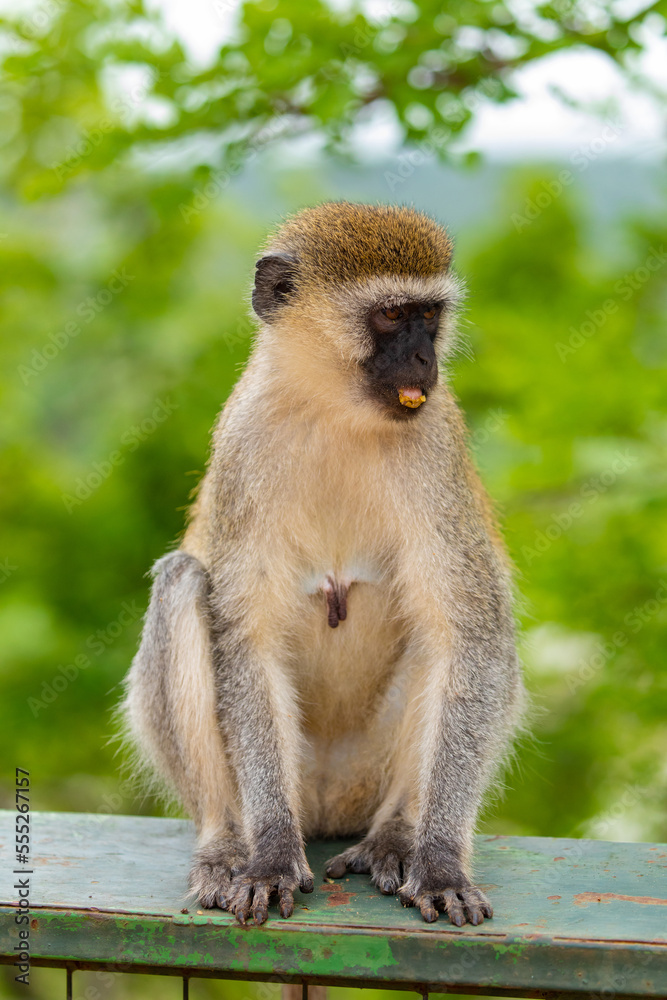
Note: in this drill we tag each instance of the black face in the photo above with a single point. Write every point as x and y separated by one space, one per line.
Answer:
403 365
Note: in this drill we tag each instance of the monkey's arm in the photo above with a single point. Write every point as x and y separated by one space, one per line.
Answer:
258 715
471 706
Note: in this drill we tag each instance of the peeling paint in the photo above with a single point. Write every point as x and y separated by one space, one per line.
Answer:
338 895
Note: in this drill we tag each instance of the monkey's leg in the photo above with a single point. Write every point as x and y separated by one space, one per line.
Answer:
170 710
470 706
258 714
452 783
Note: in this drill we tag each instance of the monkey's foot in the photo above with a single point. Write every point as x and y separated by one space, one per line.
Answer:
460 903
214 866
261 882
385 856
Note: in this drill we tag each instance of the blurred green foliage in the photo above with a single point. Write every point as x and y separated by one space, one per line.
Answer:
106 433
289 68
125 256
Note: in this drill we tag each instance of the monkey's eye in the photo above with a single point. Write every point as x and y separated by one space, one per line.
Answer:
393 314
430 312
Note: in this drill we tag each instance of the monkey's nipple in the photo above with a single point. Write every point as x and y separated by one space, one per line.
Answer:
411 397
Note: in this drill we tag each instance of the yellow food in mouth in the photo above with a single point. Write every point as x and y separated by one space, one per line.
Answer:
413 401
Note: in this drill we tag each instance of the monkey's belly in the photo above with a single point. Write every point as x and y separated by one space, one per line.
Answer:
345 681
340 672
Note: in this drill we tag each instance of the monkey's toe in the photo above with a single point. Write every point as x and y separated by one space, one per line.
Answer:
251 899
213 869
336 867
388 883
241 900
354 859
260 902
427 907
468 904
258 885
286 905
210 884
476 904
222 899
384 856
451 904
386 873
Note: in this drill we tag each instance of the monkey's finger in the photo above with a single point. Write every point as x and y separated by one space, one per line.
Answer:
222 899
206 897
336 867
241 903
286 904
260 902
387 874
427 908
406 896
474 899
307 883
453 906
203 884
474 914
210 894
359 864
351 860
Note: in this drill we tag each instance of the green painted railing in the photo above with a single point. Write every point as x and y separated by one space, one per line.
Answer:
573 917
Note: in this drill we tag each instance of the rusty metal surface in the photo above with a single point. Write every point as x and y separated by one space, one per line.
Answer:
572 916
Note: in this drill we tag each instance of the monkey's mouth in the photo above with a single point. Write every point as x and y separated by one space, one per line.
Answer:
411 396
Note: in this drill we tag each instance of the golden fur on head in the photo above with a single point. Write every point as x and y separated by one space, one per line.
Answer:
341 241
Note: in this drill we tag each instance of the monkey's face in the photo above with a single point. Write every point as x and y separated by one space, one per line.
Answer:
402 368
357 305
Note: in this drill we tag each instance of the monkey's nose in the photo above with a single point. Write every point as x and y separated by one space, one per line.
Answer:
420 357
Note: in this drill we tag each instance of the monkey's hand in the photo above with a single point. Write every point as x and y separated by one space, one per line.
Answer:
444 888
264 878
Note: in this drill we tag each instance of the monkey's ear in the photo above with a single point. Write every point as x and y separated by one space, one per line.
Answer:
275 282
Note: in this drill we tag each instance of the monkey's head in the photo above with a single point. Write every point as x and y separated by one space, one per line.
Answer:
358 296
